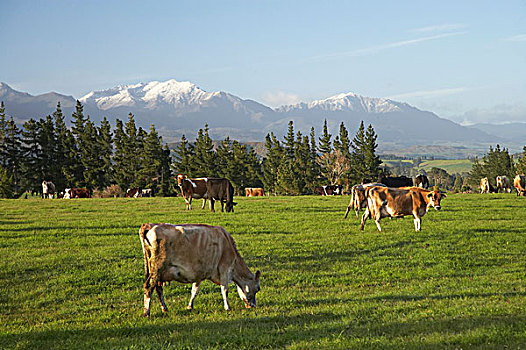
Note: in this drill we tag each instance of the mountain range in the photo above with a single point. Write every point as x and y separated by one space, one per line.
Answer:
177 108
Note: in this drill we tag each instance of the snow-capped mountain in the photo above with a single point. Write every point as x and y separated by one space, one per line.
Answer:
348 102
177 108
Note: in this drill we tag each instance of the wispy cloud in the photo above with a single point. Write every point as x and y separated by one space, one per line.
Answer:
375 49
520 37
280 98
429 93
439 28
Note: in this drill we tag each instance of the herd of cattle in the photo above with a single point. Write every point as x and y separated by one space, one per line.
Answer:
191 253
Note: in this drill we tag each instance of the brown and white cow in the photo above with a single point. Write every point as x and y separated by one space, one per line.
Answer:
396 202
191 253
503 183
520 184
192 188
135 192
358 200
486 186
76 193
48 189
254 192
329 190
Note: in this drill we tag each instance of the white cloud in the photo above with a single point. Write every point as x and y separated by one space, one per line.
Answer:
504 113
439 28
516 38
378 48
429 93
280 98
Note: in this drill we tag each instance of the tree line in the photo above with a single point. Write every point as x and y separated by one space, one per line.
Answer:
97 156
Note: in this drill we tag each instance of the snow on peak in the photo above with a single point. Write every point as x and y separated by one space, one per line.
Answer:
149 95
349 102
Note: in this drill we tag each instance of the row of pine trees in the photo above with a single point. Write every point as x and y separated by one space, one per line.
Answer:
95 157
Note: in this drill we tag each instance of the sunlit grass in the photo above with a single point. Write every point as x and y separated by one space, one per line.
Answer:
71 276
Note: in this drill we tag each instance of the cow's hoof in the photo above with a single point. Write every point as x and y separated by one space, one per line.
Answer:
189 308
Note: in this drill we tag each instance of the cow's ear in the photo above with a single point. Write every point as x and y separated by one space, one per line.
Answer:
258 274
430 194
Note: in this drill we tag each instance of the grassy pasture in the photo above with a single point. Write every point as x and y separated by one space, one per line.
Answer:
452 166
71 274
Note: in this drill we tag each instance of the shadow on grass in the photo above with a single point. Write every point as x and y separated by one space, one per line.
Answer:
126 229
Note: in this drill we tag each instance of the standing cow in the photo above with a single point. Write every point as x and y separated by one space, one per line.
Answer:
192 188
191 253
421 181
48 189
358 200
503 184
254 192
220 189
486 186
395 202
520 184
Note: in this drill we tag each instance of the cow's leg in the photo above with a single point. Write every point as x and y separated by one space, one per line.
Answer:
148 290
204 203
377 221
195 290
222 206
212 205
159 290
224 292
417 222
364 218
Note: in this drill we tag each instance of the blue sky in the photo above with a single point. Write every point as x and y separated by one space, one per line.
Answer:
464 60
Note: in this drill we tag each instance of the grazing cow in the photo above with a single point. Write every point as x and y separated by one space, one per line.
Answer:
133 192
193 188
254 192
358 200
421 181
76 193
520 184
395 202
191 253
329 190
48 189
220 189
147 192
486 186
396 181
503 183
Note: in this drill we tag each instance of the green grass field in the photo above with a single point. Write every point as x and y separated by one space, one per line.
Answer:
71 274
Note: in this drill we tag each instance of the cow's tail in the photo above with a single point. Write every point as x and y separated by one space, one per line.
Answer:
154 253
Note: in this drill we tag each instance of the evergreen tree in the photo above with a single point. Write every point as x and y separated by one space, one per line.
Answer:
3 130
64 151
358 156
372 161
122 168
133 147
271 163
184 158
152 155
166 180
204 159
287 176
32 170
13 154
91 156
6 184
325 140
104 138
521 164
76 168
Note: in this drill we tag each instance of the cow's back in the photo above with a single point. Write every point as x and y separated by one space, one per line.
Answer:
195 250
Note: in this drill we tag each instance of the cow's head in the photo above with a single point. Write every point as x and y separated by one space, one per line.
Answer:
230 206
434 198
247 291
180 179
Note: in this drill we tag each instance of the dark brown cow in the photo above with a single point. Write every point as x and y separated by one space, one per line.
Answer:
254 192
520 184
421 181
503 184
77 193
48 189
191 253
395 202
329 190
396 181
358 200
133 192
220 189
193 188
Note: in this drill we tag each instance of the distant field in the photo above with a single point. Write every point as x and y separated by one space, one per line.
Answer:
71 277
450 165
